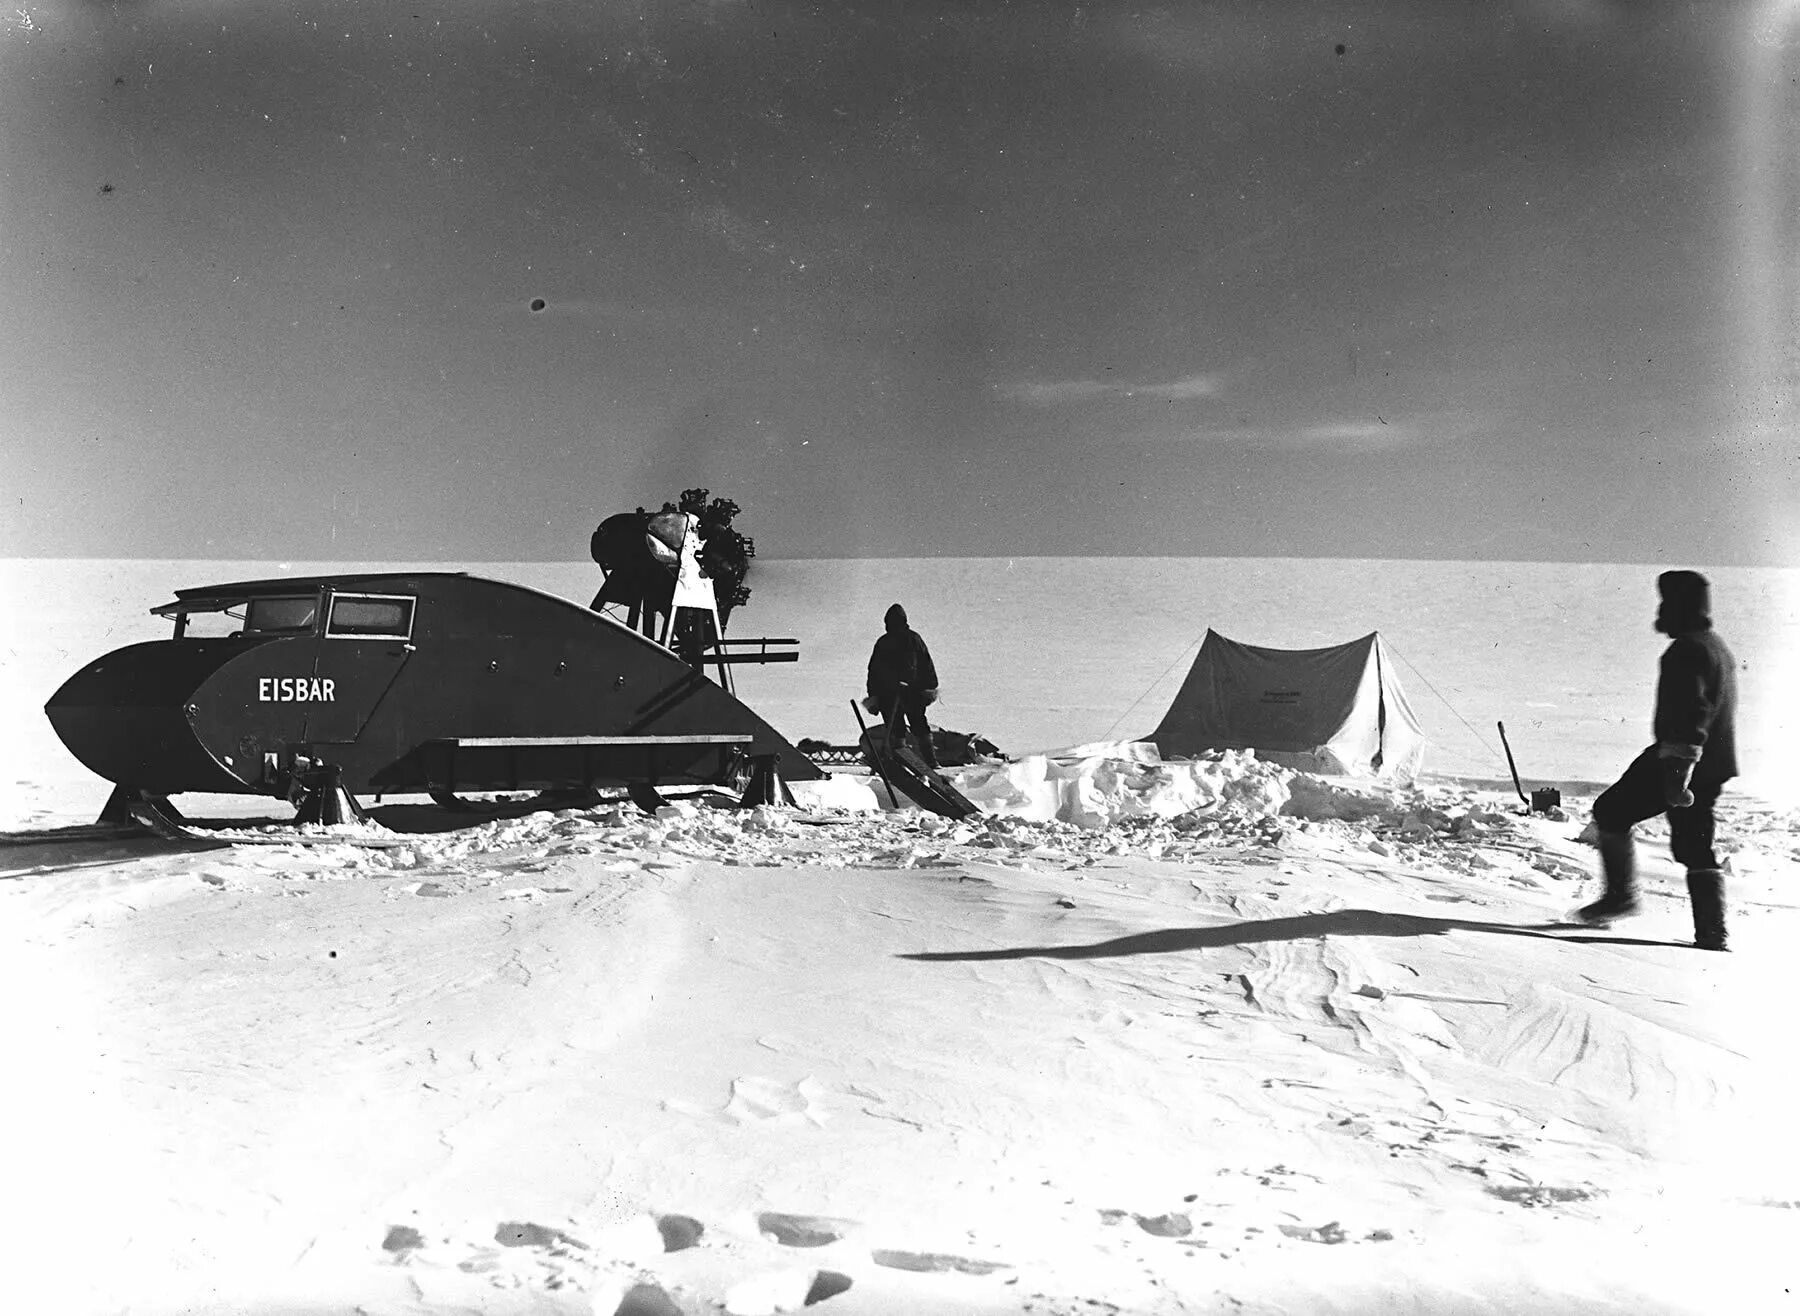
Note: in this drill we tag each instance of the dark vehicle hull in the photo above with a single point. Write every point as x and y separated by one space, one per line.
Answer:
124 716
489 687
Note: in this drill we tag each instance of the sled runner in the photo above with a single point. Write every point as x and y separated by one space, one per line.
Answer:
903 772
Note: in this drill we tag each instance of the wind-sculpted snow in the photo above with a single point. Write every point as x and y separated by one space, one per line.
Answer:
1321 1047
1096 785
1117 806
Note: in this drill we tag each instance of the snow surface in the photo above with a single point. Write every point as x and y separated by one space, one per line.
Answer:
1144 1037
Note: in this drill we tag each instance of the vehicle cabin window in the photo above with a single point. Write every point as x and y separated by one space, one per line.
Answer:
212 624
370 616
281 616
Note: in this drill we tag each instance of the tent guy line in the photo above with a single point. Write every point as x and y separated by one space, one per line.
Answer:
1160 678
1485 742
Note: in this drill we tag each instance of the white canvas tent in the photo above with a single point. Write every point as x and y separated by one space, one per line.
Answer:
1338 710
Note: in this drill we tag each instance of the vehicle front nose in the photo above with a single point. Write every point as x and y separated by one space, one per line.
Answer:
129 716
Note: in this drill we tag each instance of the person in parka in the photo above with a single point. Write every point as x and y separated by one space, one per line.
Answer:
1681 775
902 681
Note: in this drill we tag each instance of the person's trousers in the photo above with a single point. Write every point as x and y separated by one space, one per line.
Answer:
909 709
1638 795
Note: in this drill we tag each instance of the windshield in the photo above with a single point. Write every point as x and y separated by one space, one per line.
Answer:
281 616
210 625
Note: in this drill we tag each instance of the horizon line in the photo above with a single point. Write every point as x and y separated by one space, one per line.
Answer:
933 557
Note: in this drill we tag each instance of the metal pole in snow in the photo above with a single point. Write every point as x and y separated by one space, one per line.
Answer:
1512 766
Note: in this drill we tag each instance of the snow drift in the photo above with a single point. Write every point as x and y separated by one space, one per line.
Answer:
1099 784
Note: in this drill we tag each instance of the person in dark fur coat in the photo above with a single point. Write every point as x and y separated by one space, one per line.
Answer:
1681 775
902 681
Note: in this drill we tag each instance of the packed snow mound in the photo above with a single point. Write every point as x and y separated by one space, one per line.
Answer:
1097 785
1417 814
835 790
1317 798
1100 785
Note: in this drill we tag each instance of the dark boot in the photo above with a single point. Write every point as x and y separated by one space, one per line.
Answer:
1706 892
1618 861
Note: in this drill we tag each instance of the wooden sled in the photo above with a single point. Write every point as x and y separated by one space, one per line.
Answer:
905 773
925 786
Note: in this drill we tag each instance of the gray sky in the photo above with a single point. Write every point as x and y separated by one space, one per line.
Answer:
1413 278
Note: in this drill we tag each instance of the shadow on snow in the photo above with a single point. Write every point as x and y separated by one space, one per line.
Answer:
1337 923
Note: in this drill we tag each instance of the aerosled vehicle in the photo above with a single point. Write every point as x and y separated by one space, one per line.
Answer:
408 682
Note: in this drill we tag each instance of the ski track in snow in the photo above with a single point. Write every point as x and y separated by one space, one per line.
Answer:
602 1062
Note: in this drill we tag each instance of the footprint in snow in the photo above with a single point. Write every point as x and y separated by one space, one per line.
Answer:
803 1230
647 1300
934 1262
762 1100
1172 1224
679 1232
402 1241
512 1233
528 1255
1540 1194
786 1290
1332 1232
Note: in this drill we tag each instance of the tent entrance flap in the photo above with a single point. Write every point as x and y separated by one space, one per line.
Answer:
1337 710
